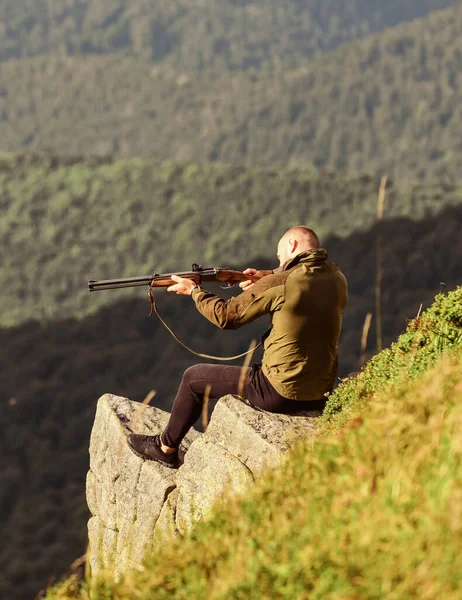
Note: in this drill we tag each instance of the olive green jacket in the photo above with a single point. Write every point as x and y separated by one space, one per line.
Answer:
305 299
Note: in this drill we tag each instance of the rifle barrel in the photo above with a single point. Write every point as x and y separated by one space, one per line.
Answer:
112 284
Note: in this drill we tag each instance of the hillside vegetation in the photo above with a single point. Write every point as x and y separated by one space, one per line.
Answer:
65 222
51 375
390 103
192 35
372 511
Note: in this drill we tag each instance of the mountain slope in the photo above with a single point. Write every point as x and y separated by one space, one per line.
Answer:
193 35
391 103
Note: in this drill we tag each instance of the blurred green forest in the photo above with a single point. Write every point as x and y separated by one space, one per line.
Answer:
65 221
51 375
390 103
192 35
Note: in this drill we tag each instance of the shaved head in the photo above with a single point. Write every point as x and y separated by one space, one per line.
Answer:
295 240
304 236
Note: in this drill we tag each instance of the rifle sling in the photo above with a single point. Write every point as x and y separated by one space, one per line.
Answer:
154 309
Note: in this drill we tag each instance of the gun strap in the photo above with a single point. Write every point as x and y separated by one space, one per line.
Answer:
154 309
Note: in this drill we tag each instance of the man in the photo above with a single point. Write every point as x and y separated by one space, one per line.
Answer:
305 298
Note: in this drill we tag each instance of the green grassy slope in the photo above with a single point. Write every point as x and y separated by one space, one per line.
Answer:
426 337
66 222
372 511
387 104
217 34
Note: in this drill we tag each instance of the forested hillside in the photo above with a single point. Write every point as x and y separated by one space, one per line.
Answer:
193 35
67 221
390 104
51 375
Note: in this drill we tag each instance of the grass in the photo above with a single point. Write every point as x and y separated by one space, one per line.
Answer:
415 351
371 511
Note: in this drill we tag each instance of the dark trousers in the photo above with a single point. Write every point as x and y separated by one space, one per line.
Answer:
188 404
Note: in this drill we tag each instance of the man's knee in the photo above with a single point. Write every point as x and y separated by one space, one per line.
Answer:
190 374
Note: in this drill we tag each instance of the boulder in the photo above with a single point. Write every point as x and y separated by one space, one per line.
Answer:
125 494
139 504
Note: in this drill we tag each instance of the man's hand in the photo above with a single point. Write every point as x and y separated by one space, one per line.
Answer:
246 285
182 286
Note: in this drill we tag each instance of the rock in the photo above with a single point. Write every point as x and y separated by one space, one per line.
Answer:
125 494
209 472
257 438
165 527
138 504
238 444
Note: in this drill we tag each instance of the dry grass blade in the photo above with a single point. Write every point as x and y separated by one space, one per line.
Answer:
78 562
149 397
205 406
381 198
142 406
87 562
364 336
245 366
379 272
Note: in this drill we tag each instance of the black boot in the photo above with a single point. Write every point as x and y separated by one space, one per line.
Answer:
148 447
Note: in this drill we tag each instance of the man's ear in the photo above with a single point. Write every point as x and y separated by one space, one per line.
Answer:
293 244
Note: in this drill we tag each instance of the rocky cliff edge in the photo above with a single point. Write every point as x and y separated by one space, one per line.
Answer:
138 504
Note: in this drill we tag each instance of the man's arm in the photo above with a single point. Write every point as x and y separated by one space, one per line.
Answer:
267 295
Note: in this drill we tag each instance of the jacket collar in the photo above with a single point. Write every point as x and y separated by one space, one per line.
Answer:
316 256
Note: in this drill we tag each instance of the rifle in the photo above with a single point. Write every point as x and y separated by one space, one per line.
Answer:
197 274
